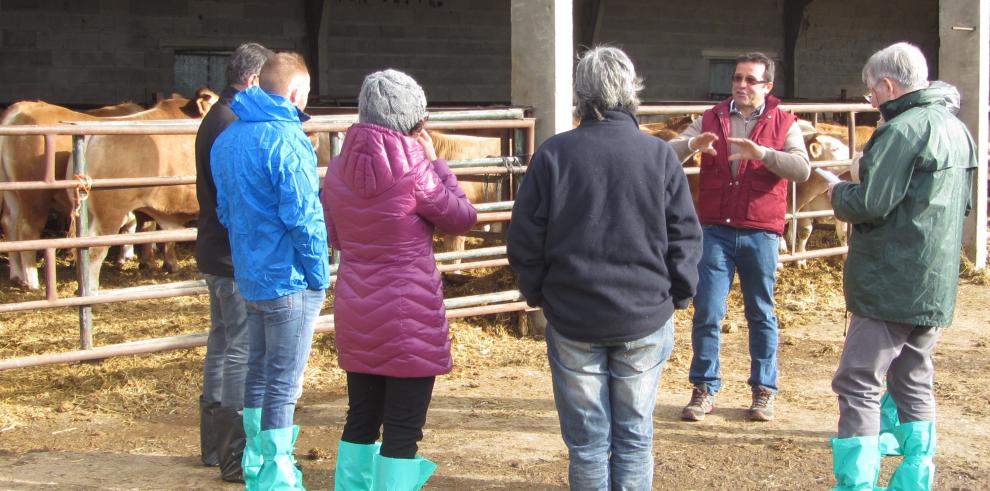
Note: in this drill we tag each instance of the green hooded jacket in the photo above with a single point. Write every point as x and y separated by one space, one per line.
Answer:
907 213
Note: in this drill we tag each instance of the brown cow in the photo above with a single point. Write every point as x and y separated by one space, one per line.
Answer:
22 158
668 130
122 109
811 194
485 190
121 156
863 133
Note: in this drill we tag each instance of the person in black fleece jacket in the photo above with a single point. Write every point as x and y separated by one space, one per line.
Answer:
605 238
221 428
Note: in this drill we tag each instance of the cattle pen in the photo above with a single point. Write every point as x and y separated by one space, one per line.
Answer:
517 130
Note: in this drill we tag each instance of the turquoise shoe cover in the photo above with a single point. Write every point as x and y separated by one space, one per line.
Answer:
916 471
355 466
251 461
888 420
401 474
279 471
856 463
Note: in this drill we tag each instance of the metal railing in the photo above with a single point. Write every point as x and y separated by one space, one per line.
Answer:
522 131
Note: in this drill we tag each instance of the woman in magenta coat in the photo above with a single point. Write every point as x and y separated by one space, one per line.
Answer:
383 196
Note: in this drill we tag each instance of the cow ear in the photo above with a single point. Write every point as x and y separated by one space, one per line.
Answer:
815 150
205 99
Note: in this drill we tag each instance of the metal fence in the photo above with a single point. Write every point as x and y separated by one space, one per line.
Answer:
511 121
514 126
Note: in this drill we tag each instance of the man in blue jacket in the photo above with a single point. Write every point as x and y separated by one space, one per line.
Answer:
267 197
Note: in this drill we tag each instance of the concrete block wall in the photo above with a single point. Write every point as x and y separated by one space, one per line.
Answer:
106 51
672 43
458 50
838 36
98 52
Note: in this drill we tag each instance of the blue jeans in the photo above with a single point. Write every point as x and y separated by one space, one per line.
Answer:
753 253
225 365
605 394
280 334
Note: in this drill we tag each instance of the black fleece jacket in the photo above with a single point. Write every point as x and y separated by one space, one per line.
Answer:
212 243
604 236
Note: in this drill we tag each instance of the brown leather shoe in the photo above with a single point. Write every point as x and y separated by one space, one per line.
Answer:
702 403
762 408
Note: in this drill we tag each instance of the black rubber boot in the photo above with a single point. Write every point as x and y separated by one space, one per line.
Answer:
229 424
207 433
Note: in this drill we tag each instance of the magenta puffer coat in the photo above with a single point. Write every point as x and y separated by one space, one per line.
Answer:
382 199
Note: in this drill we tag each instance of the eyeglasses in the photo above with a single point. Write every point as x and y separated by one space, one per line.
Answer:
869 92
750 80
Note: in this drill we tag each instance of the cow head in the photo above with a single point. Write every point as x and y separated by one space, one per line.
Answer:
824 147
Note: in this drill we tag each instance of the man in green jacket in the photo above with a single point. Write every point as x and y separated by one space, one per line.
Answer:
903 266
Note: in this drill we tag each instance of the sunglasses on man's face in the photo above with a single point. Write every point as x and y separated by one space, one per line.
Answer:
749 79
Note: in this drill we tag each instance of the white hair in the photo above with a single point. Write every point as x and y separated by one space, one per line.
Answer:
902 63
605 79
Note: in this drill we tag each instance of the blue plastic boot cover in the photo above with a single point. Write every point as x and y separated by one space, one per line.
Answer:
401 474
917 470
279 472
855 462
888 420
355 466
251 461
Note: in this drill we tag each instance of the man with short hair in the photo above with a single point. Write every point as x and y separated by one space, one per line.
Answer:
750 150
267 197
901 274
221 430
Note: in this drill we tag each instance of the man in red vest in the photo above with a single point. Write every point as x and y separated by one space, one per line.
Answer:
750 150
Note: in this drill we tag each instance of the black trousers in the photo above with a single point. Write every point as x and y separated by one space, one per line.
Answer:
397 404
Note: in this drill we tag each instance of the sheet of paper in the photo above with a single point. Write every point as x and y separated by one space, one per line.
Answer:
829 176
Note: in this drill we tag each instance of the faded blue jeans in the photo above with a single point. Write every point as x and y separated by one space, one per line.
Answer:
605 395
225 366
280 334
753 253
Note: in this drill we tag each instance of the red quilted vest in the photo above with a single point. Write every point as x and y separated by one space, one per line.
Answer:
755 198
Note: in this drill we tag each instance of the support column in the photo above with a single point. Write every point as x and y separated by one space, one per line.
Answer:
964 34
323 51
543 62
542 71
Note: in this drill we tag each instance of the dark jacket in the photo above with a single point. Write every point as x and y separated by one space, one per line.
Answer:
212 245
604 235
907 213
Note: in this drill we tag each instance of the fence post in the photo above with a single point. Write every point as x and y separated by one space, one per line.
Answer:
852 133
82 254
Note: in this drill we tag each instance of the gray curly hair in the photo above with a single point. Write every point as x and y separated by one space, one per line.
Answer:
605 79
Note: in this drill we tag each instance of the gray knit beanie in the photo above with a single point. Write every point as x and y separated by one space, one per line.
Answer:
391 99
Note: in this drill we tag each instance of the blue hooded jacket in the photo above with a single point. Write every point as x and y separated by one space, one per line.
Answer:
264 168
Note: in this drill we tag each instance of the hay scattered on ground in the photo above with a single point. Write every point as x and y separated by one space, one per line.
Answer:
164 383
970 274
